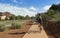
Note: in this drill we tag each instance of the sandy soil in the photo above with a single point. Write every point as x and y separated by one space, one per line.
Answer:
35 32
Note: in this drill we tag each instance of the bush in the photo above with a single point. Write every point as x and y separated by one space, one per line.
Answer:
16 26
2 27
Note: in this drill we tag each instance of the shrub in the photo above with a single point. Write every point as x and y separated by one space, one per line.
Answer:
16 26
2 27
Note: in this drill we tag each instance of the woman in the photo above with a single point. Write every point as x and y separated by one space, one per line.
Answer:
39 20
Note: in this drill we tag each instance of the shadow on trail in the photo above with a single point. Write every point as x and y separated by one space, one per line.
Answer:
17 33
34 32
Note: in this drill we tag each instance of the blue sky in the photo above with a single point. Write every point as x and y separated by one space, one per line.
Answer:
26 7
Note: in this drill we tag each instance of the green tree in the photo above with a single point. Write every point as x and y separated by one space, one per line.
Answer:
12 17
19 17
49 15
55 7
27 17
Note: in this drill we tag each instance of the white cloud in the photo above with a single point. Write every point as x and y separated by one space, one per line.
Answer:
16 10
45 8
15 1
58 3
32 8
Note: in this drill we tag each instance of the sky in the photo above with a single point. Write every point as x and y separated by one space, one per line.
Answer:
26 7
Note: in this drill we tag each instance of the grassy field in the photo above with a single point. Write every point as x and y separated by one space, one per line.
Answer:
8 22
14 33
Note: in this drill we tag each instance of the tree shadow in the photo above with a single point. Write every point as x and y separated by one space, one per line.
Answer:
17 33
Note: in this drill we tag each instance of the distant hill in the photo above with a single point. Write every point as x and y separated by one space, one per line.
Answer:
6 14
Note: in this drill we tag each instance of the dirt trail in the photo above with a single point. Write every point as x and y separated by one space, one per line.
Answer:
34 32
